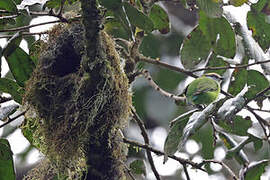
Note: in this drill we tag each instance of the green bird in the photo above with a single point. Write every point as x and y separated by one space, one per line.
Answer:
203 90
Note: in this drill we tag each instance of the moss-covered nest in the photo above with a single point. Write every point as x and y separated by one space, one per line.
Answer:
77 104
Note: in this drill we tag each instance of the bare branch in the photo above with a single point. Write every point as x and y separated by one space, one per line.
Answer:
25 34
29 26
186 171
146 141
165 65
180 160
157 88
128 171
230 67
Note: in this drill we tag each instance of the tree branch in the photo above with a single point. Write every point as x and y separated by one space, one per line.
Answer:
230 67
25 34
146 141
29 26
180 160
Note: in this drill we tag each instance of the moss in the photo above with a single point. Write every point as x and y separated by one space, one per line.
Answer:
80 104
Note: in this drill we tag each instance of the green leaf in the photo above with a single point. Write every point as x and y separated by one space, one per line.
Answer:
240 156
109 4
7 171
205 139
215 61
8 5
196 48
53 3
256 82
138 19
237 2
12 88
138 167
150 46
255 170
168 84
160 19
117 23
220 34
12 44
20 64
239 125
115 28
259 6
212 8
260 28
257 142
238 81
175 134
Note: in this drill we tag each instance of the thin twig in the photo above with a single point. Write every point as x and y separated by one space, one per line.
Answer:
180 160
163 64
157 88
186 172
222 164
146 141
262 110
260 93
229 67
25 34
128 171
29 26
13 119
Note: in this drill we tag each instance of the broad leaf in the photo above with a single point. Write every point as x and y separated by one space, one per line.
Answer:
175 134
238 126
12 88
220 34
254 170
215 61
7 171
160 19
8 5
237 2
256 82
138 19
228 141
212 8
238 81
260 6
20 64
138 167
110 4
150 46
260 28
196 48
257 142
